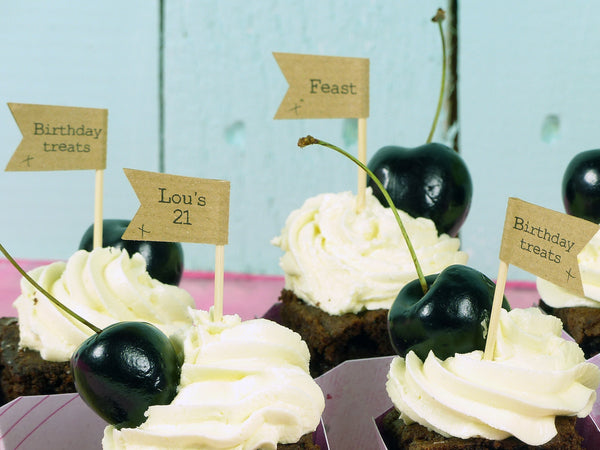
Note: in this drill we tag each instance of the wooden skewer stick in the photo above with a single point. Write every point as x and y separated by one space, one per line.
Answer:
362 157
219 282
490 343
98 208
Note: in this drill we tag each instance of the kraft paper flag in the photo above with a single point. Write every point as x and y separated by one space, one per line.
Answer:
179 209
59 138
324 87
545 243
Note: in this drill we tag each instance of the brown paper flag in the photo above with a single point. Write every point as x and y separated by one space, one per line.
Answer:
545 243
59 138
324 87
179 209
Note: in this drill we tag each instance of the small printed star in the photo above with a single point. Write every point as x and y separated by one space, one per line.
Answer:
143 230
296 107
569 275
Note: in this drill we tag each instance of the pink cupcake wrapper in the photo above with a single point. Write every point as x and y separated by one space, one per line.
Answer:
356 401
63 421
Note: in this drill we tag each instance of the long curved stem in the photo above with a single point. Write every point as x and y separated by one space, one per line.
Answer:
309 140
57 303
439 18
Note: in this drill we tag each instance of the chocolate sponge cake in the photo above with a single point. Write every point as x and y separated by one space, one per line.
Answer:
306 442
333 339
582 324
398 436
25 372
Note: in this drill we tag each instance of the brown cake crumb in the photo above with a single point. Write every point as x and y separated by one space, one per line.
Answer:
25 372
399 436
306 442
334 339
582 324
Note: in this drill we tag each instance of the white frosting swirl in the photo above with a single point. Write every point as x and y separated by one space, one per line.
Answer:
589 268
343 261
103 286
534 376
244 385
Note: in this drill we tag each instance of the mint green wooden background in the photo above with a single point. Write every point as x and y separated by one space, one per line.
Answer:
523 65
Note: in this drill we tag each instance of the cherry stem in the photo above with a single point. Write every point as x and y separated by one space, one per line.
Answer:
309 140
57 303
439 18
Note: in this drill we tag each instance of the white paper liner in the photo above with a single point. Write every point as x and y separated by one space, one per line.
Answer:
355 394
63 422
55 422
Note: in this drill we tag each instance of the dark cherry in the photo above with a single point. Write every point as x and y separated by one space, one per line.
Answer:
125 368
452 317
429 181
581 186
164 260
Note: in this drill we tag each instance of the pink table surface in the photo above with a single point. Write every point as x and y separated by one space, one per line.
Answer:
249 296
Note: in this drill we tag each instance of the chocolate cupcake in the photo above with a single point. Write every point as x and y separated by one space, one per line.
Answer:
528 396
103 286
344 268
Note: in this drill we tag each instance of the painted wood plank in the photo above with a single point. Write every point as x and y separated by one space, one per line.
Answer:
101 55
223 88
528 103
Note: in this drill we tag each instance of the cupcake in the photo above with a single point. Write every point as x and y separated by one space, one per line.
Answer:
580 315
104 286
343 269
244 385
528 396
